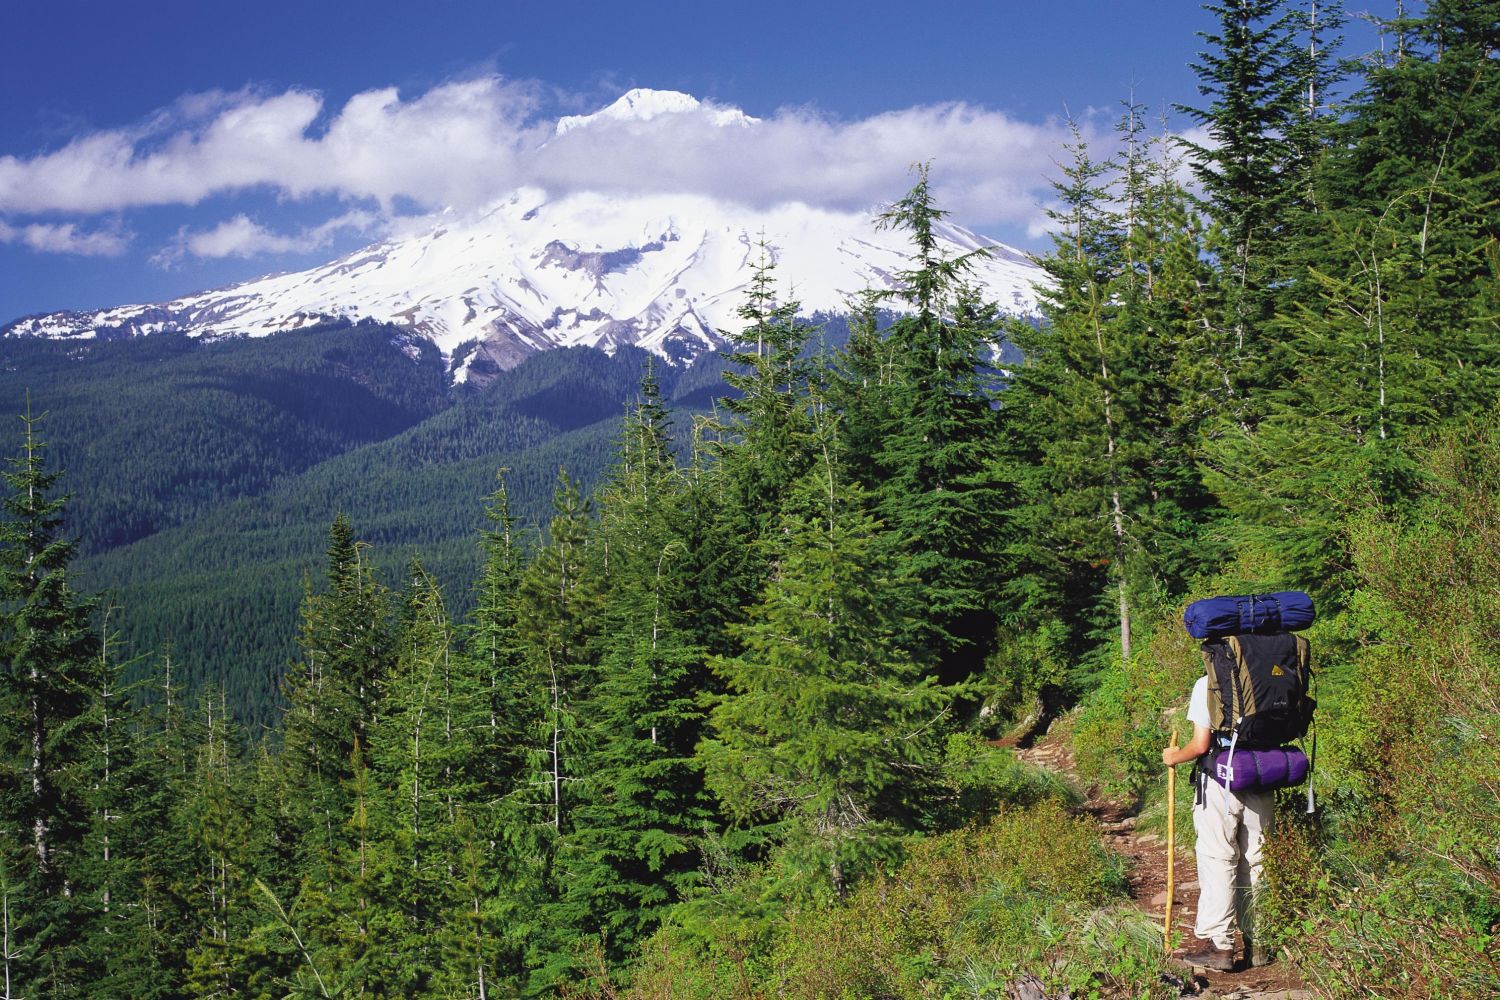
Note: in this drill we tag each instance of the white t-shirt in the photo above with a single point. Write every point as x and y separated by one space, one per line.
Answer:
1197 712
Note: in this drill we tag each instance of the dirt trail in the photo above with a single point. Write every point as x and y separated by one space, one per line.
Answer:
1147 876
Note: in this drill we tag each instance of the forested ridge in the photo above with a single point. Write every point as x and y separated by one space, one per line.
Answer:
223 587
202 475
723 730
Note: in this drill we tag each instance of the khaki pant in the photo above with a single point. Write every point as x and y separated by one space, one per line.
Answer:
1230 829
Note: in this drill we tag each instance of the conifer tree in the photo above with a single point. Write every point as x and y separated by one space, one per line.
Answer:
828 727
1058 382
493 641
120 937
223 959
937 475
560 592
641 802
1103 416
1250 76
51 679
769 444
501 845
862 389
716 568
742 467
159 917
1318 68
477 946
332 695
423 749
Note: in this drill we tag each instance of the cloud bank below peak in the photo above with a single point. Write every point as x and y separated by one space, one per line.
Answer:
463 144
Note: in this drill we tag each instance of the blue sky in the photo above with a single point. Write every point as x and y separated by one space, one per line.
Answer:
152 149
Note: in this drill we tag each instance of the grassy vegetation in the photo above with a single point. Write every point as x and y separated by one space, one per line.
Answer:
965 914
1392 888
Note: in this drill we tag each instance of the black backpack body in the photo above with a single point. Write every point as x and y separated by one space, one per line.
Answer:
1258 688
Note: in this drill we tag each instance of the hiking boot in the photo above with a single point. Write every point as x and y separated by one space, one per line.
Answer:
1207 955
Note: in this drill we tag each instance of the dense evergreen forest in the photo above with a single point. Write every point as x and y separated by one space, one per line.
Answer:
722 730
202 476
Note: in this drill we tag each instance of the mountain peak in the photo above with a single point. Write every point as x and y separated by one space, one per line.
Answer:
533 271
643 104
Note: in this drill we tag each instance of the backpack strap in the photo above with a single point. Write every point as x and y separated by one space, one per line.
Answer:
1312 758
1221 666
1234 712
1304 661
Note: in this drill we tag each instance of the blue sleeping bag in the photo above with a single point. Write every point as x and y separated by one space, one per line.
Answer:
1217 617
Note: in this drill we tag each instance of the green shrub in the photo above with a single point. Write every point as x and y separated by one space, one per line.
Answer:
972 897
1397 892
1033 891
1120 728
981 779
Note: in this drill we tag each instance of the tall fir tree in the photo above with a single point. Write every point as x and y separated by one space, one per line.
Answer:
501 844
937 477
560 591
829 728
642 802
52 678
1103 416
116 777
767 447
332 695
1249 74
224 959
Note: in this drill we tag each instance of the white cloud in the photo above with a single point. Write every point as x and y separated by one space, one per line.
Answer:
987 167
444 147
66 238
242 236
463 144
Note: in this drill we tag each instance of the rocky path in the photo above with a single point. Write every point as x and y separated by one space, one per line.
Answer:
1147 876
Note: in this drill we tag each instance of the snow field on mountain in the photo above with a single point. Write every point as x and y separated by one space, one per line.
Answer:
530 272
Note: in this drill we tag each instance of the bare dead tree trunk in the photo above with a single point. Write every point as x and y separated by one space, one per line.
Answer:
38 760
448 728
1312 63
1117 510
38 724
479 950
5 951
556 734
105 694
416 783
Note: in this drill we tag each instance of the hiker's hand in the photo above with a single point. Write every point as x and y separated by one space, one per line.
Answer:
1169 756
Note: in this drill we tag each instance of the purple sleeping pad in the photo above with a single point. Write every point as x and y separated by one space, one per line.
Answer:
1217 617
1259 769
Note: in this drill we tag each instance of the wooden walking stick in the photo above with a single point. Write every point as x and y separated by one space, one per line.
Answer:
1166 927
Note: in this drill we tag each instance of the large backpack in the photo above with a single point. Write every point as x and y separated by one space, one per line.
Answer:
1258 702
1258 688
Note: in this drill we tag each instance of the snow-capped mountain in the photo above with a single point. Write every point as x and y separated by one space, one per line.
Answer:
641 104
534 271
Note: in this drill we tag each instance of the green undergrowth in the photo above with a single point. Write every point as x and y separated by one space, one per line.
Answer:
1394 888
1119 728
1391 888
1032 891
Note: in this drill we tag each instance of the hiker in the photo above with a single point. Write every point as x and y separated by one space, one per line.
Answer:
1253 700
1230 827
